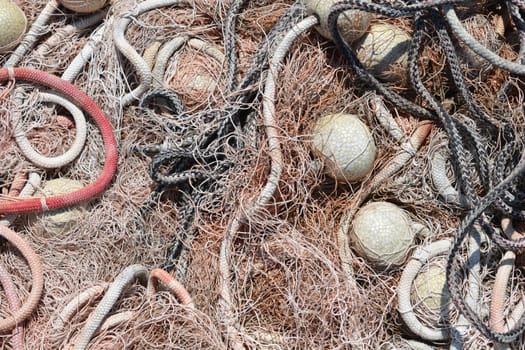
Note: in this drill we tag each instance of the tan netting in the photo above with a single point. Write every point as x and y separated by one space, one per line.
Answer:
288 287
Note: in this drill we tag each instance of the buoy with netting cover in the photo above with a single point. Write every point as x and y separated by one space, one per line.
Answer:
381 232
82 6
430 289
352 24
384 51
61 220
346 146
13 25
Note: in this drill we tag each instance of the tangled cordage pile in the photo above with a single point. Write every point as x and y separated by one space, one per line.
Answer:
262 174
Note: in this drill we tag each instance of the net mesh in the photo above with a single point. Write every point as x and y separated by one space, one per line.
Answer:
289 289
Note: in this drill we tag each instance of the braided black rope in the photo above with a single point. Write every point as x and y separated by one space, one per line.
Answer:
455 277
504 159
171 100
184 232
230 49
192 170
478 147
457 149
398 100
470 134
241 104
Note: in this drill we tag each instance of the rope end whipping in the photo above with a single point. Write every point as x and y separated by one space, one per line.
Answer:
11 73
43 203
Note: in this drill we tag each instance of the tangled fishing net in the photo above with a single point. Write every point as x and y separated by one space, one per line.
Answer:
218 184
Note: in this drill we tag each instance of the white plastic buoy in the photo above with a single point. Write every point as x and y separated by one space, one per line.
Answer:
352 23
381 233
14 23
83 6
384 51
59 221
346 146
430 288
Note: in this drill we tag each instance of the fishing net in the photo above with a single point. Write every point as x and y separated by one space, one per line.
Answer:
195 154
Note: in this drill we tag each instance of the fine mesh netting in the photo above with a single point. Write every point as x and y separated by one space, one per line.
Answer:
237 206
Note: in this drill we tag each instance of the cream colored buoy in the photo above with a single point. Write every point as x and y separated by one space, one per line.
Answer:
352 23
381 233
14 23
346 146
83 6
60 221
384 51
430 289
